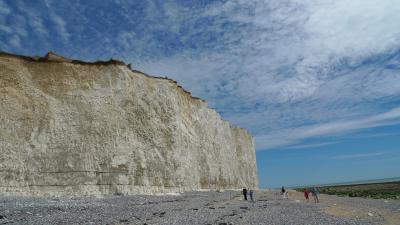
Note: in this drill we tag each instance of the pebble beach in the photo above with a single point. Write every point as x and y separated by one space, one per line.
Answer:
221 208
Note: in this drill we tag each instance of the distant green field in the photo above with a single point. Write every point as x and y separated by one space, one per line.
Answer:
390 190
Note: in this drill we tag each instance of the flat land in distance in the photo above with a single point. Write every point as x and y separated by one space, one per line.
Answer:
389 190
200 208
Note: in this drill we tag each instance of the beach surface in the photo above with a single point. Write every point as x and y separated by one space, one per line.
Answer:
199 208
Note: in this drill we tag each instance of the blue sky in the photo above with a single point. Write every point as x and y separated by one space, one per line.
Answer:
317 83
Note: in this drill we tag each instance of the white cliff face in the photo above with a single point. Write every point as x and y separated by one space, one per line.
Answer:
74 128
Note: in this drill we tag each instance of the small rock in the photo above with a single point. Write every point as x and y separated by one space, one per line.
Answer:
123 220
1 217
297 200
370 214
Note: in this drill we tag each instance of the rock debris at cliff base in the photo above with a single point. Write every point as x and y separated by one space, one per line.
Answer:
69 127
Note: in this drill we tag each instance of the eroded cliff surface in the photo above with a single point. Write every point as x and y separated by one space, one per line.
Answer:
74 128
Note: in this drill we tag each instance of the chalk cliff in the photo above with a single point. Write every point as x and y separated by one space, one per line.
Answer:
69 127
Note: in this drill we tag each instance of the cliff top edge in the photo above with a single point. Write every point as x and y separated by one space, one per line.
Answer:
52 57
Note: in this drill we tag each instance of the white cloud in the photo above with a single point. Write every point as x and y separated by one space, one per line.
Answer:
373 135
23 26
37 24
353 28
287 70
294 135
33 19
59 22
315 145
4 9
289 60
61 26
15 42
5 29
18 23
295 37
357 156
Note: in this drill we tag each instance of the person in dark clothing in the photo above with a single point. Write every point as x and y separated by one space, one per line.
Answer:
315 193
284 193
244 194
251 195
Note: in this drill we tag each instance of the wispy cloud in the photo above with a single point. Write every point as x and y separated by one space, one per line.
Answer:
61 26
15 42
286 70
4 8
58 21
34 19
291 136
5 29
316 145
375 135
357 29
357 156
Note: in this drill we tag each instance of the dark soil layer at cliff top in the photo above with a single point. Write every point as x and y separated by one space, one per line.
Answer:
198 208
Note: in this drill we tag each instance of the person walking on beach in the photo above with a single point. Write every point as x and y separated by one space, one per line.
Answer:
306 192
283 192
251 195
314 193
244 192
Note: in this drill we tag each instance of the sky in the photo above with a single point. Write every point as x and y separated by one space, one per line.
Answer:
317 83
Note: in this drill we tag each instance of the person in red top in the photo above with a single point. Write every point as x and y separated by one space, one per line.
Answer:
306 192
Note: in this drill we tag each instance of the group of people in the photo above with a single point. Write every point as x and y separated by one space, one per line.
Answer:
249 192
314 192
